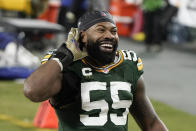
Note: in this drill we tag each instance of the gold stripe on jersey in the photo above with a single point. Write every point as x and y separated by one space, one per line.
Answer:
43 62
47 56
106 68
139 64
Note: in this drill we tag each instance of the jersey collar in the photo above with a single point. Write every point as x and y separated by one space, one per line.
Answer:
106 68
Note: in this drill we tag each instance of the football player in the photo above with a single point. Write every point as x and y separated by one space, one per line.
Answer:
92 85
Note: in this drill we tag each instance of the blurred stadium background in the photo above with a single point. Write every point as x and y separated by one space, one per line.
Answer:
28 28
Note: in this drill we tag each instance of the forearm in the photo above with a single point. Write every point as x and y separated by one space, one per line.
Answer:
143 111
146 117
157 125
44 82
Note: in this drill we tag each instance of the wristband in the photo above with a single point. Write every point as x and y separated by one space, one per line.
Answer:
58 61
63 56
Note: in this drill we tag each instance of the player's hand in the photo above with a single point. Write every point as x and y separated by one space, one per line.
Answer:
72 43
68 51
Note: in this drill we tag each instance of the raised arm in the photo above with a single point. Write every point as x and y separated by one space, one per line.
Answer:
143 111
45 82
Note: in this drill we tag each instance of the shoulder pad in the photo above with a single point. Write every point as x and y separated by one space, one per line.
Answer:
129 55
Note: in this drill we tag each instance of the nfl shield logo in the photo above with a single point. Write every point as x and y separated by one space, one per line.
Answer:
106 71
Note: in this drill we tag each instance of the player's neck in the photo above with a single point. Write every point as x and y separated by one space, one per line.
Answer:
94 61
97 63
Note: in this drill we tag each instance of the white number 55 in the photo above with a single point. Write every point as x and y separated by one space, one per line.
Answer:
87 105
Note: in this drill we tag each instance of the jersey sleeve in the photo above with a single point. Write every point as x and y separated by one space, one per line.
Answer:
68 92
135 66
139 68
139 71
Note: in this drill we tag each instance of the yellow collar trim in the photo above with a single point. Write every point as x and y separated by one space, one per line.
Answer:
106 68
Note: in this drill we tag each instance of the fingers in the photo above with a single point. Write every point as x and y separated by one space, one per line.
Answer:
84 54
76 36
73 44
74 33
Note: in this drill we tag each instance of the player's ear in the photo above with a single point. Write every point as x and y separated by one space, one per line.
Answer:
82 40
83 37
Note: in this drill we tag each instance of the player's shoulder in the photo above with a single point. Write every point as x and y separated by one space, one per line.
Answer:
130 57
75 66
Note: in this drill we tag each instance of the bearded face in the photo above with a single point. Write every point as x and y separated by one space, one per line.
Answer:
102 50
101 42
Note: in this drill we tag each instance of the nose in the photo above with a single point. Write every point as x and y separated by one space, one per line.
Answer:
108 34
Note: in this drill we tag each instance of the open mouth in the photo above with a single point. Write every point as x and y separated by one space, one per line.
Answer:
106 47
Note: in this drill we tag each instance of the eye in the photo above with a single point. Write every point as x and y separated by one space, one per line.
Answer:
100 30
113 31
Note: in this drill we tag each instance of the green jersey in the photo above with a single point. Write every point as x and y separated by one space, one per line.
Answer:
98 98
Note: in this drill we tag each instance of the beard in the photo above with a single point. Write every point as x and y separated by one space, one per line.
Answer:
102 57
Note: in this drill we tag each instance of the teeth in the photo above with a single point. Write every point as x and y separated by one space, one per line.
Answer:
107 45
